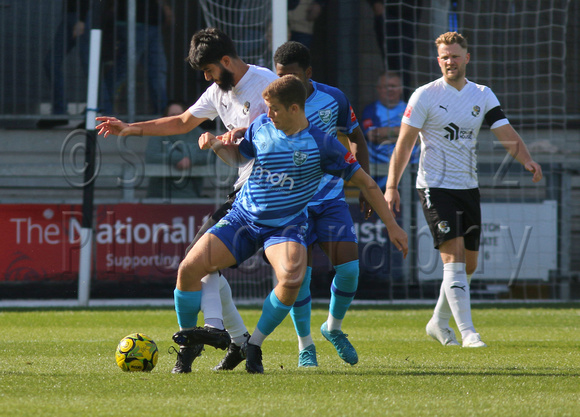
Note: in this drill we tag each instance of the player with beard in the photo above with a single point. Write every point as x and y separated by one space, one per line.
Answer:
236 97
446 115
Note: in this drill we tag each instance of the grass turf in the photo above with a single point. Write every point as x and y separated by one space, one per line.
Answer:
61 363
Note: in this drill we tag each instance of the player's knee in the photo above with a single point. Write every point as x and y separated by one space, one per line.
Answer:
470 269
291 282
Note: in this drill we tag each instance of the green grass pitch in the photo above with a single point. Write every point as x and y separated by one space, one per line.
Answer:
57 362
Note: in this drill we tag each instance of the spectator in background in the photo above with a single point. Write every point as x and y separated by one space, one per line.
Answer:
302 15
381 121
400 20
181 152
150 16
73 30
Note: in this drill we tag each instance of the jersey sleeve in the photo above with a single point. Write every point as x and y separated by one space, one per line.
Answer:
346 120
416 111
246 145
204 107
494 116
337 160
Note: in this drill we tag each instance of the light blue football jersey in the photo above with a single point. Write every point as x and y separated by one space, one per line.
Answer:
287 171
329 109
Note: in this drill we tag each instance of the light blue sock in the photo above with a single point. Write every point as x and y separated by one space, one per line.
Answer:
301 310
187 306
343 288
273 313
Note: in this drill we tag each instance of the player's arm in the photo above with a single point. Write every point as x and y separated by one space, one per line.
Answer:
374 196
226 150
165 126
399 160
516 147
358 147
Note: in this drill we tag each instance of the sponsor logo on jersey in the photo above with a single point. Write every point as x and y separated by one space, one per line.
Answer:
352 115
444 227
455 132
367 123
273 178
408 111
475 111
466 134
452 131
325 115
299 158
349 158
444 108
246 108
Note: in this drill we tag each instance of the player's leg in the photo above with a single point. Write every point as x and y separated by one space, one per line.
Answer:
440 214
208 255
344 257
301 312
337 238
235 327
456 287
288 259
210 298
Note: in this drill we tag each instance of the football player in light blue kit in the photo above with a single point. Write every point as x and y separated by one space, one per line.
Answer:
329 220
290 157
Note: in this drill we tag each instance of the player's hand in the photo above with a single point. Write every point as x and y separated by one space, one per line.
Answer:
393 200
113 126
365 206
206 140
398 238
535 169
233 136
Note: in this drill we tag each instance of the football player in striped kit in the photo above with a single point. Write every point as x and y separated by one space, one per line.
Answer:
329 220
446 115
236 97
290 155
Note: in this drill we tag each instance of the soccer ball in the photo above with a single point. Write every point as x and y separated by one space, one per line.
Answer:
137 352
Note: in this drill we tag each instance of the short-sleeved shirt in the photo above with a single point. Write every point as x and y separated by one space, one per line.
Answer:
378 115
237 107
450 121
328 109
287 171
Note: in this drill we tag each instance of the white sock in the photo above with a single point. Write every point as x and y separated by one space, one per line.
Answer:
332 323
232 319
442 312
457 293
305 341
211 305
257 338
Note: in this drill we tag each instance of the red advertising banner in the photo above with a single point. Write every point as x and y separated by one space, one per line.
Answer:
40 242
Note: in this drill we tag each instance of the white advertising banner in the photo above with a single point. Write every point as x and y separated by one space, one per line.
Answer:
518 241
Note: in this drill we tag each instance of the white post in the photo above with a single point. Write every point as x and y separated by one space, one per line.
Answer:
279 24
86 238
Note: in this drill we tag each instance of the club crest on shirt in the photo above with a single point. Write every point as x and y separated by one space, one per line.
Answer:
222 223
246 108
325 115
299 158
443 227
475 111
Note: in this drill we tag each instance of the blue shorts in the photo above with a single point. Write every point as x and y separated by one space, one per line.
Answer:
243 238
330 222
